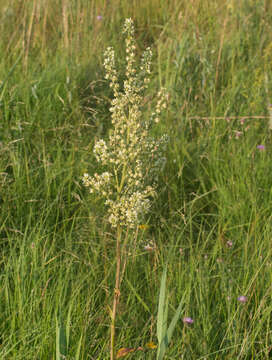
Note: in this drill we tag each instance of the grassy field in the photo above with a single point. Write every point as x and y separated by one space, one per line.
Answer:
211 222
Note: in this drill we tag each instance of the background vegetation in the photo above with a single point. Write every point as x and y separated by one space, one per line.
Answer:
212 220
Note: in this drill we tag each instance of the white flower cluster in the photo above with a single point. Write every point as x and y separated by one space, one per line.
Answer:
100 151
132 158
99 183
128 209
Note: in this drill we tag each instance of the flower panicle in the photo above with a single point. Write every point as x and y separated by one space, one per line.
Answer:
111 72
131 158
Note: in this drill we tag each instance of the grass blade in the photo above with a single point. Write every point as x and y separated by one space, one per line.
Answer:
162 313
61 341
164 342
174 322
161 319
68 323
78 348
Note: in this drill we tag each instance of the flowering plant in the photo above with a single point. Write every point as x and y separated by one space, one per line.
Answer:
131 158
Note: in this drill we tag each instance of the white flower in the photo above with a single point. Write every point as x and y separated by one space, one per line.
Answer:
131 157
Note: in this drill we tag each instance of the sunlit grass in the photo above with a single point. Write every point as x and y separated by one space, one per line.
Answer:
211 222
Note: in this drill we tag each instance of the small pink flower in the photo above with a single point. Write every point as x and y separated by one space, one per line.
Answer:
261 147
188 320
99 17
242 299
229 243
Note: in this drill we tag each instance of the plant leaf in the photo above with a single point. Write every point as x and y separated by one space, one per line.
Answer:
78 348
164 343
68 323
61 342
174 322
161 320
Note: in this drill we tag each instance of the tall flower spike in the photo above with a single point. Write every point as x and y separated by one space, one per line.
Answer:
131 158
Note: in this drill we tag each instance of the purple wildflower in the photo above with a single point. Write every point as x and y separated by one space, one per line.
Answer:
242 299
261 147
188 320
99 17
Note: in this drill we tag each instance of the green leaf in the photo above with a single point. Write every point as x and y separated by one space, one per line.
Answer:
174 322
164 342
78 348
164 335
68 322
160 320
61 341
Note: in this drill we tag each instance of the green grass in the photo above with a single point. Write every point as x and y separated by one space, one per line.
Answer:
57 255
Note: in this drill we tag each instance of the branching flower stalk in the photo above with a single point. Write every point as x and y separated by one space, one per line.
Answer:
132 159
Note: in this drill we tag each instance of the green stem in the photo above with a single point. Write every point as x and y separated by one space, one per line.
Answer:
116 292
119 186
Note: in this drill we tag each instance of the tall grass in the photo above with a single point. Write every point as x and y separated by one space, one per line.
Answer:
212 220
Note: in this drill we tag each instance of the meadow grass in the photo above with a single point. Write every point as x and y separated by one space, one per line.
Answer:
211 223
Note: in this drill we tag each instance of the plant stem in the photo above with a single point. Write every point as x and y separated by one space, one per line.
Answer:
116 291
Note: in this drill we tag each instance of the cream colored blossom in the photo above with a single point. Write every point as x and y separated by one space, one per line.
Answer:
131 157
